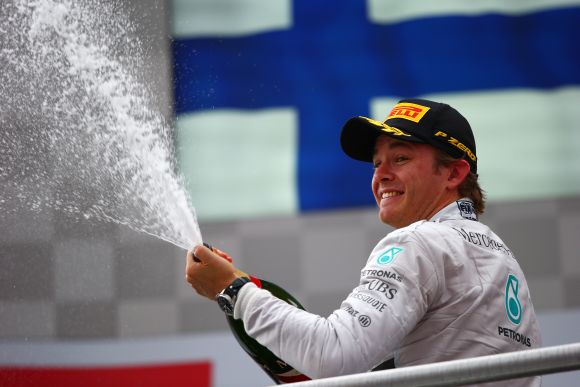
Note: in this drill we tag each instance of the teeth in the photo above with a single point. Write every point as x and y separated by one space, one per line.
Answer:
389 194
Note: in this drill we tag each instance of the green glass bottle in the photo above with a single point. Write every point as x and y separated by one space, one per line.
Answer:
280 371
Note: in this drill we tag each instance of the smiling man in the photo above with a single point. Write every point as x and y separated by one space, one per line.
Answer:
442 286
406 194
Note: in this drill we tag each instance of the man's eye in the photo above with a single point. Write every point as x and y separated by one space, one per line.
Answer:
400 159
376 164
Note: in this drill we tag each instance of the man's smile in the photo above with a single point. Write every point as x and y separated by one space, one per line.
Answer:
390 194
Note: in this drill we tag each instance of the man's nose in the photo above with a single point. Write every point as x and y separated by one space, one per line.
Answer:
384 173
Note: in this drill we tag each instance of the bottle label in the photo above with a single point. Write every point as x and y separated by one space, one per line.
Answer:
292 376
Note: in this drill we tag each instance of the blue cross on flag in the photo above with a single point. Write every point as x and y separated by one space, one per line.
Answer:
262 89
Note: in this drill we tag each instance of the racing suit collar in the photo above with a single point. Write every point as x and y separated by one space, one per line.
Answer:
460 209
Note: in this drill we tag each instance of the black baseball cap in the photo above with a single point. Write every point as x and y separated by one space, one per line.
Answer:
415 120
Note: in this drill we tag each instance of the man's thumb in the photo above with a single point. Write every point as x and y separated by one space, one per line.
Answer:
202 254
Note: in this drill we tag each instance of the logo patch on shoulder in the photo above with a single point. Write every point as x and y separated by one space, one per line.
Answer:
388 256
408 111
466 209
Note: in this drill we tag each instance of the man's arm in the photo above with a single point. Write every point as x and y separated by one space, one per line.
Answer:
366 329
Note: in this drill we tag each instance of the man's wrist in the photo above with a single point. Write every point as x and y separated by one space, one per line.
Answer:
226 299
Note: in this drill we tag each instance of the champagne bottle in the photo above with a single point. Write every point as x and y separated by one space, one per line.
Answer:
280 371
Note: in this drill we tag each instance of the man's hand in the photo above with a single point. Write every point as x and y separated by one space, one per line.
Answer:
210 273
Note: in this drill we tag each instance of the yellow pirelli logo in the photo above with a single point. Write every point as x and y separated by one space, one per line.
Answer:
408 111
386 128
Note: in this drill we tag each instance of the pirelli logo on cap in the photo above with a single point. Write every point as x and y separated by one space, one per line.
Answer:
408 111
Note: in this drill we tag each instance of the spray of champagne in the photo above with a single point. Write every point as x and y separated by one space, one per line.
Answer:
80 132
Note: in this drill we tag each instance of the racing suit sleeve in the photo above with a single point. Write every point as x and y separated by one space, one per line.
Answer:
396 286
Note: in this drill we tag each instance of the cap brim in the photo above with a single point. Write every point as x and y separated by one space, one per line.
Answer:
359 135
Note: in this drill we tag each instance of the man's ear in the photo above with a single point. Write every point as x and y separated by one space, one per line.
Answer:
458 171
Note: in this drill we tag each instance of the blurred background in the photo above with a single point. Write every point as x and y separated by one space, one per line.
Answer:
256 93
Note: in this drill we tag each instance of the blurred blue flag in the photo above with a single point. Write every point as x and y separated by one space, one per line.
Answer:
262 89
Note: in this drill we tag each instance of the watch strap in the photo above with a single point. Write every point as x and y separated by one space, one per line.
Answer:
227 298
233 289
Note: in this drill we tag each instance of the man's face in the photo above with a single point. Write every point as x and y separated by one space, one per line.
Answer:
406 185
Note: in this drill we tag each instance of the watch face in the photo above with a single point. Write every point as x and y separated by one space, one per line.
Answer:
225 303
226 299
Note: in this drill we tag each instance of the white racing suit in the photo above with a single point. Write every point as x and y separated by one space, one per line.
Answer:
437 290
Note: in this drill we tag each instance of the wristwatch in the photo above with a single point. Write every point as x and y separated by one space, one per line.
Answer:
226 299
